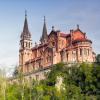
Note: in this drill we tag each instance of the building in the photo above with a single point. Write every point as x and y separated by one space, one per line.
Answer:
72 47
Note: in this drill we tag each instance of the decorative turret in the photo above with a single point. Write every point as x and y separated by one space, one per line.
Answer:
44 37
77 27
53 29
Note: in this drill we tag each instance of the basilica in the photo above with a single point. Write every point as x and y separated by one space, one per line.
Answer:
54 47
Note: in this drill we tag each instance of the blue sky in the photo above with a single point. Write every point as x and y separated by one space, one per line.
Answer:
63 14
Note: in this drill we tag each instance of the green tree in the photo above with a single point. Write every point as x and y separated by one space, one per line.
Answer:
98 58
3 84
15 73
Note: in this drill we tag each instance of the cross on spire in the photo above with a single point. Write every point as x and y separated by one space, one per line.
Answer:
25 13
77 26
44 18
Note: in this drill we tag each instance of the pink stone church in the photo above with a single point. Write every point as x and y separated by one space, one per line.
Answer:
55 47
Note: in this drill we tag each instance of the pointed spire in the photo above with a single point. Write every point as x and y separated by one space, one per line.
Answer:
25 33
25 29
53 29
44 32
44 19
77 26
25 13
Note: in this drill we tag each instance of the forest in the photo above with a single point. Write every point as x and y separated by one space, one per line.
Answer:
77 82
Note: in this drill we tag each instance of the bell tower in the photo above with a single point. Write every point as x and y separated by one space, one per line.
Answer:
25 52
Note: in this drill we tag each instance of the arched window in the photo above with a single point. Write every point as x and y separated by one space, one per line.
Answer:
26 44
27 68
49 58
80 51
67 56
74 55
29 44
39 64
88 52
61 53
37 77
53 43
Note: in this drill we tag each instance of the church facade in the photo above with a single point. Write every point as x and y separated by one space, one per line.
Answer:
55 47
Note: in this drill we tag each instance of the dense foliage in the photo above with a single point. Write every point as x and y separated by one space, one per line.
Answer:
98 58
63 82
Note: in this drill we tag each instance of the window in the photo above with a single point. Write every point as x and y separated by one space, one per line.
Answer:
53 43
33 66
39 64
80 51
28 54
35 54
29 44
61 56
27 68
26 44
85 52
41 52
49 58
74 55
46 59
62 43
67 56
37 77
88 52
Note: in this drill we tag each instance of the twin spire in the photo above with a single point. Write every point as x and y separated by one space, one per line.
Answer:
26 34
44 33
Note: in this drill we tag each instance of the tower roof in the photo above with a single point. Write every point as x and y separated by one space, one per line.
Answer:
44 32
25 34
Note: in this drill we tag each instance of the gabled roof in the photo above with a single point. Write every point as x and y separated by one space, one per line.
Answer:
82 40
64 35
52 32
32 60
39 46
79 31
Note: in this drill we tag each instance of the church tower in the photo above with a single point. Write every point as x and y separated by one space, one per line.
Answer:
44 37
25 52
